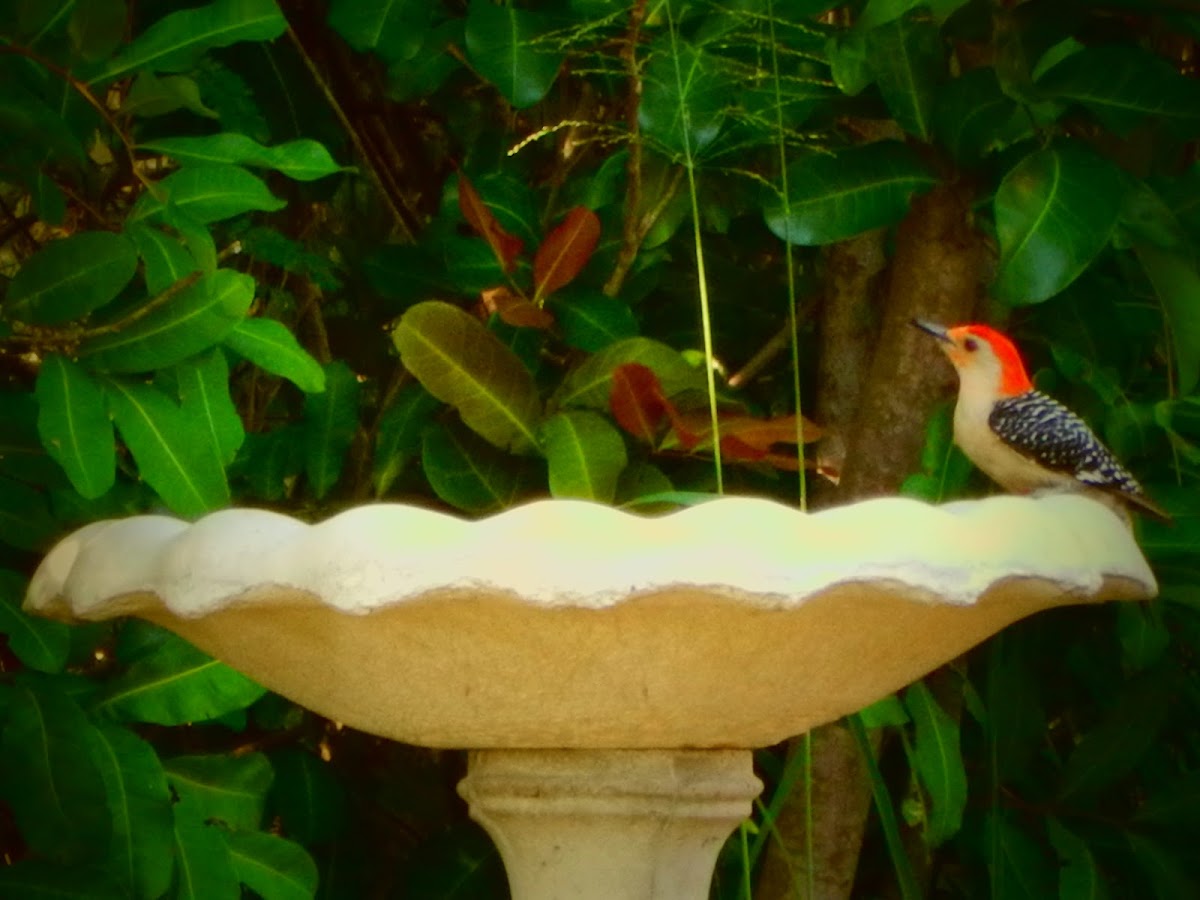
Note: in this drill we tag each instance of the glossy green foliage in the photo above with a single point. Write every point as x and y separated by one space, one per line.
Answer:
831 198
511 48
452 254
461 363
71 278
1055 211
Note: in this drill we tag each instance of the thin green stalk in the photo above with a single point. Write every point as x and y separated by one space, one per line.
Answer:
809 856
791 283
905 876
705 317
994 662
746 867
793 769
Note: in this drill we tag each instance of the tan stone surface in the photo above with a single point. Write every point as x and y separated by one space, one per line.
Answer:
710 665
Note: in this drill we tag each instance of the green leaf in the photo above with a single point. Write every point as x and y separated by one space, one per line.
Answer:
974 117
192 320
307 797
48 200
1080 877
398 438
461 363
96 27
74 426
332 419
848 62
944 468
684 97
221 787
36 879
69 278
273 460
513 204
1144 638
271 866
505 46
207 193
169 448
471 475
395 29
49 779
153 96
272 347
1174 803
586 455
1016 719
887 711
418 77
590 383
266 244
175 42
593 321
303 160
204 398
139 806
175 684
907 58
165 260
834 197
1055 210
26 117
458 863
203 865
25 520
880 12
938 761
1127 732
1167 874
1019 868
38 643
1176 281
1122 84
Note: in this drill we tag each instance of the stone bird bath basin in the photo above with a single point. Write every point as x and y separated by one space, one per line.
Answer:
609 672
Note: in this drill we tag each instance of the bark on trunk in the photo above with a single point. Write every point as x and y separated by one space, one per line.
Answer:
879 403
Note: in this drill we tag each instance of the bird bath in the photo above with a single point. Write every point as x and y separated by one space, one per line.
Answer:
610 673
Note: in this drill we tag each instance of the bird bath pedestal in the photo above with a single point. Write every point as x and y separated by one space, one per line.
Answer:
610 673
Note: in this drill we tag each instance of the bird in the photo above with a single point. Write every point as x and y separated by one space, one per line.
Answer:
1023 439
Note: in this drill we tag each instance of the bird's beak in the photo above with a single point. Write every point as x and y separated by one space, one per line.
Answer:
938 331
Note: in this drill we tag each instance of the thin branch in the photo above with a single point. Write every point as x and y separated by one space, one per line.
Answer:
633 234
775 345
55 337
156 302
352 132
82 88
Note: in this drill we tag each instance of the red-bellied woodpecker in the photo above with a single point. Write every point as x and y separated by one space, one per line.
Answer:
1019 437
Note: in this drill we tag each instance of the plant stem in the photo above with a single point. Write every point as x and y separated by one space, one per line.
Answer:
793 336
632 233
360 147
909 890
702 278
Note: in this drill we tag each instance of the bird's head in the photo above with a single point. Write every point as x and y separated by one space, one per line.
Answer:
982 356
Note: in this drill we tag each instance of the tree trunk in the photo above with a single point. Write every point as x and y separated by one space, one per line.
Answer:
878 404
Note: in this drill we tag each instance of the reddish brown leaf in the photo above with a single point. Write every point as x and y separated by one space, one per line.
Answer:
734 448
507 247
754 434
685 433
637 401
565 251
515 309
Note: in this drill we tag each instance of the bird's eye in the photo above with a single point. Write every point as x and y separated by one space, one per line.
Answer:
971 345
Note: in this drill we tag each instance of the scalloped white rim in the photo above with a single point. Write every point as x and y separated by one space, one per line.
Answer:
566 552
